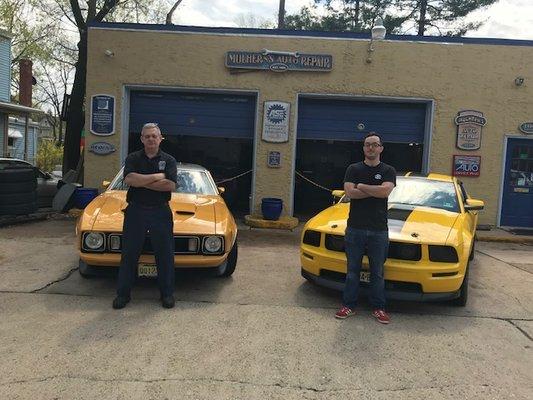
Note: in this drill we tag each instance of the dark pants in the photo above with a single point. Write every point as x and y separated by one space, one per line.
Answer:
376 244
138 220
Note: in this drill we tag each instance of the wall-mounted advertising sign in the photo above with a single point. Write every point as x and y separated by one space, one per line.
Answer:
469 124
102 115
527 128
102 148
466 165
276 121
279 61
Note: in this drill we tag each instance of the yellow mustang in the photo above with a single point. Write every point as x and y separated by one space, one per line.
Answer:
205 233
432 225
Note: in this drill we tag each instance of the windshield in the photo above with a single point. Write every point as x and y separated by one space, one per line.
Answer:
425 192
189 181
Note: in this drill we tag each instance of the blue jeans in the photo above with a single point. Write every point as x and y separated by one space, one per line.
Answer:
376 245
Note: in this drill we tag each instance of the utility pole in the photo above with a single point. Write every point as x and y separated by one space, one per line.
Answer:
281 14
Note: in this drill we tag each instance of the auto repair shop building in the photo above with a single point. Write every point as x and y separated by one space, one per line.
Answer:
284 112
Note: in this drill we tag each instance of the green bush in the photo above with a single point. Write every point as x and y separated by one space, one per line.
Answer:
49 155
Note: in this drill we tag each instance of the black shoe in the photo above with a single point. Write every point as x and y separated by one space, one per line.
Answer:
120 302
167 301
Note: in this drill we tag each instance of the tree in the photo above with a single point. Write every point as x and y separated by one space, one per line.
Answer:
252 21
442 17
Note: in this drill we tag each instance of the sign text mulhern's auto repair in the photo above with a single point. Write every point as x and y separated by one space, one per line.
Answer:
279 61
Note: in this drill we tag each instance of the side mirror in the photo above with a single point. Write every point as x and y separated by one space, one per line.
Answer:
473 204
221 189
105 184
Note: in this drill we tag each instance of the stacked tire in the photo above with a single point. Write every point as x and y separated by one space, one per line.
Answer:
18 191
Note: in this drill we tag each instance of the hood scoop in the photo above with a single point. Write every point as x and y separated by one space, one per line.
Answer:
185 209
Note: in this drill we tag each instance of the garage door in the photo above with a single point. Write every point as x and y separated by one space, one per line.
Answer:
196 114
339 120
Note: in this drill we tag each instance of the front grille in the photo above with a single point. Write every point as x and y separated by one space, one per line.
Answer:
405 251
335 242
181 245
397 250
389 285
312 238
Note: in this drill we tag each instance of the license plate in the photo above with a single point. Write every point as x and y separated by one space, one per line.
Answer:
365 276
148 270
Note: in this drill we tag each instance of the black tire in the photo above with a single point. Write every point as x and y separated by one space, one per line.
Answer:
19 209
463 291
86 271
17 198
473 250
13 175
231 262
18 187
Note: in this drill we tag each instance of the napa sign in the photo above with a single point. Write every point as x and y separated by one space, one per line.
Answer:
279 61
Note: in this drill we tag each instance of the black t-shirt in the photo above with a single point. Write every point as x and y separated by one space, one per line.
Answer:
369 213
139 162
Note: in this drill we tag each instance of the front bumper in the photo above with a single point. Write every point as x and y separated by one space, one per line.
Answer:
180 261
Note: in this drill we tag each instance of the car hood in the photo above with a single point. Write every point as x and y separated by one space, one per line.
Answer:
413 224
191 213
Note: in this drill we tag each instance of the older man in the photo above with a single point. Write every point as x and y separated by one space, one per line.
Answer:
151 175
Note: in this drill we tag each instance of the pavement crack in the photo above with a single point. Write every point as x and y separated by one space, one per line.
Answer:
520 329
505 262
66 276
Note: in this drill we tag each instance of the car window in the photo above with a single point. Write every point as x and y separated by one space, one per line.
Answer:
425 192
189 181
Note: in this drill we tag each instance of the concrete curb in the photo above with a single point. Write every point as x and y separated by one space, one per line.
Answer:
505 239
288 223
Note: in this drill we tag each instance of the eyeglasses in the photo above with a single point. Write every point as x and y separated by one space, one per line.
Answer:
374 145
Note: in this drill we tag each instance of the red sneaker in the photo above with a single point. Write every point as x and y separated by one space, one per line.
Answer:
344 313
381 316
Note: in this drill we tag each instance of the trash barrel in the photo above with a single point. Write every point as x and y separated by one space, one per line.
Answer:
83 196
271 208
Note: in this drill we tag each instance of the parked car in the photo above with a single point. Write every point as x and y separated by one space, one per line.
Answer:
46 183
205 232
432 224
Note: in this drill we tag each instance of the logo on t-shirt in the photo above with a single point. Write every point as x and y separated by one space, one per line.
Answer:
162 165
377 176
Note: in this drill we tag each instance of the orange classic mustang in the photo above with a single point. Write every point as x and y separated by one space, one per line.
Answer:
205 233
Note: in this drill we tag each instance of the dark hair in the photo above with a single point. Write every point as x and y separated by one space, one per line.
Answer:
372 133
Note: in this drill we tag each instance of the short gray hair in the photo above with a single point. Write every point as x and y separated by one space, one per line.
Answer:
150 125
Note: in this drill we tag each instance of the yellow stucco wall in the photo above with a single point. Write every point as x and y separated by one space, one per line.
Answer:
455 76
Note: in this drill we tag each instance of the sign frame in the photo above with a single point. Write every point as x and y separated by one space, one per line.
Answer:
276 118
469 129
278 61
102 148
462 159
106 127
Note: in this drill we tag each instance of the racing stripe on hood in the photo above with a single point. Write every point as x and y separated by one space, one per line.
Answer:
397 218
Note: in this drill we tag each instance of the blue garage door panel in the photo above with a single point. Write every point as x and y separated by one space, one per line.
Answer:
195 114
338 120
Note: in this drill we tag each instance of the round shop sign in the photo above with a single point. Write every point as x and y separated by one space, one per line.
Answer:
527 128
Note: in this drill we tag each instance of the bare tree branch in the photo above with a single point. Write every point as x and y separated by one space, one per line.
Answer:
171 12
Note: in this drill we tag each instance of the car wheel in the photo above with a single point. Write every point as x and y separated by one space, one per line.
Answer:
463 291
231 262
85 270
472 252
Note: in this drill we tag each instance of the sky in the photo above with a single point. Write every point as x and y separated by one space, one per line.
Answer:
507 19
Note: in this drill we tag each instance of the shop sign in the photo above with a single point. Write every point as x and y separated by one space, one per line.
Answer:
279 61
102 148
466 165
102 115
276 122
469 124
527 128
274 159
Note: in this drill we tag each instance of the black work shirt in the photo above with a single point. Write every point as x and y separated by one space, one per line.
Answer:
369 213
139 162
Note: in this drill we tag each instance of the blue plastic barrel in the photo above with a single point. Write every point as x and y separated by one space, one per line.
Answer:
271 208
83 196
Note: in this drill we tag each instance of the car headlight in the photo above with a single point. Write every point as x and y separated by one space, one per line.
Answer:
213 244
93 241
446 254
